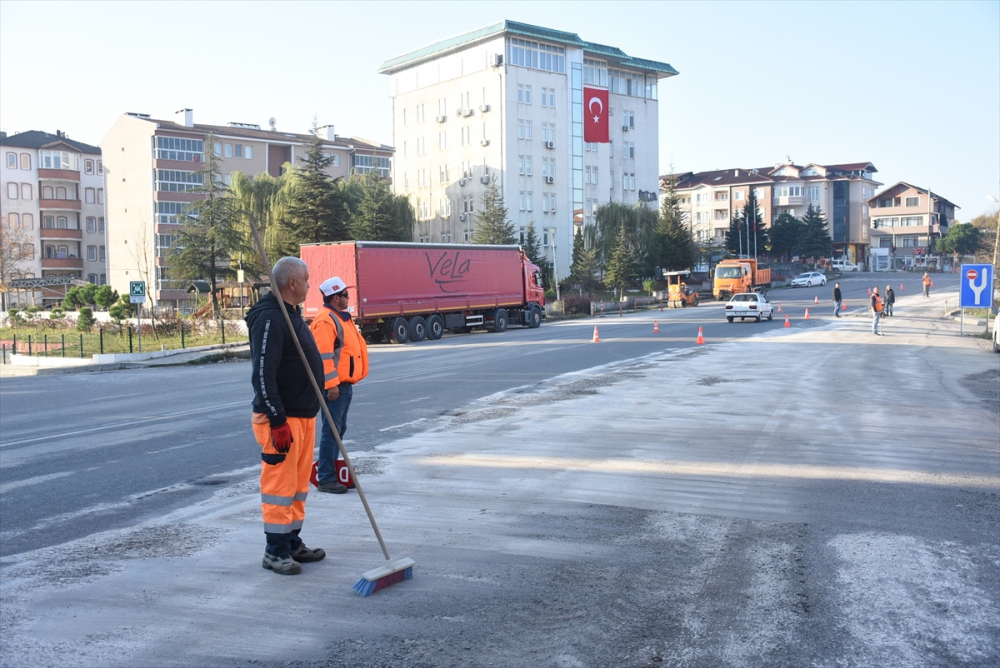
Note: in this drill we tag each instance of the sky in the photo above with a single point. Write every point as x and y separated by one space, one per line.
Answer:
913 87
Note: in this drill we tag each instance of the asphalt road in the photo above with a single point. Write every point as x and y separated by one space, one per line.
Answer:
90 452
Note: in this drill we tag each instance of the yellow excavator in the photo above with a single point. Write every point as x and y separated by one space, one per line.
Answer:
679 294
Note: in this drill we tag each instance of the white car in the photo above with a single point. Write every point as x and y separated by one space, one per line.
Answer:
749 305
809 279
845 266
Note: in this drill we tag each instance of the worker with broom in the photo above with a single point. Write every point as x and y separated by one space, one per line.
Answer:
284 414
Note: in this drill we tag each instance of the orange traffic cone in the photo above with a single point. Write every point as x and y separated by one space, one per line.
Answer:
816 299
900 286
787 324
807 314
656 327
596 338
869 292
701 337
779 308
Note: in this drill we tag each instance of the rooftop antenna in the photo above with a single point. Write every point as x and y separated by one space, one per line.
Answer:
271 122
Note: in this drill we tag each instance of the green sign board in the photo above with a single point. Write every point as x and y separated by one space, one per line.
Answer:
137 292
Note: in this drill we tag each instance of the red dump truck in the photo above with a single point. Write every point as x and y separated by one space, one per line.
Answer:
408 292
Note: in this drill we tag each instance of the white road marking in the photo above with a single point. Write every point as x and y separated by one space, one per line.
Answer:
34 481
405 424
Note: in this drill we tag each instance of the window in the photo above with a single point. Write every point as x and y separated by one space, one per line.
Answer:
91 224
549 133
101 254
466 135
530 199
631 150
812 193
909 242
25 161
27 251
48 192
238 150
623 82
595 72
13 221
61 223
911 221
227 150
721 197
520 165
248 152
525 53
92 278
176 148
421 146
58 160
167 213
26 191
443 169
442 141
442 106
170 180
12 161
738 195
527 165
524 93
521 201
527 130
104 279
444 207
48 222
545 204
912 201
88 167
100 166
100 225
366 163
90 195
100 192
92 253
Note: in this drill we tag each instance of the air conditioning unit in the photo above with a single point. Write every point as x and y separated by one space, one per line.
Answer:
484 108
624 128
468 112
485 142
461 182
550 179
461 216
550 144
485 180
496 60
440 119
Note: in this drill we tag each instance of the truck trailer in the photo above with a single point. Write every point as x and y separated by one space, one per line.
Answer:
736 276
404 292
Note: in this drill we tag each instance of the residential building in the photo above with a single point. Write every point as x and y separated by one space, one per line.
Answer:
152 165
505 102
907 219
840 191
53 202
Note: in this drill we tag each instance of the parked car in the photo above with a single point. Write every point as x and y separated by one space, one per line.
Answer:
749 305
809 279
845 266
996 333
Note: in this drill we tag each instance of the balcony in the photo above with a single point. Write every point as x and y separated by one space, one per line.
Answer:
63 204
59 174
62 263
788 201
54 233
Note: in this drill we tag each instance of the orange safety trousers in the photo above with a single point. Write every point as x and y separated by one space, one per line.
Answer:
284 486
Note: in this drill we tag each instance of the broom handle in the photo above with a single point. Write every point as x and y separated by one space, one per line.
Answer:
319 392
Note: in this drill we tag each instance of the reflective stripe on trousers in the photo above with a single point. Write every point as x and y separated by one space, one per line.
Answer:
285 486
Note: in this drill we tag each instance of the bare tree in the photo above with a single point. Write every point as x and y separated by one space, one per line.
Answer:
12 240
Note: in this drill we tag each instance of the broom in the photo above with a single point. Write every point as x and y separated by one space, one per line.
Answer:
393 571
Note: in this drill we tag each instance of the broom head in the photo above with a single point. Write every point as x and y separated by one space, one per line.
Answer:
377 579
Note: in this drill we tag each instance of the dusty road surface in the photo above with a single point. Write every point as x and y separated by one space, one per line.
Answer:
811 496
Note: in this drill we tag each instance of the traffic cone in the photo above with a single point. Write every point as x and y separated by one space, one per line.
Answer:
779 308
869 292
900 286
787 324
816 299
596 338
807 314
701 337
656 327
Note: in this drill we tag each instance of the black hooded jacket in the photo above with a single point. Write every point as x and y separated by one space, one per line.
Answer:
281 387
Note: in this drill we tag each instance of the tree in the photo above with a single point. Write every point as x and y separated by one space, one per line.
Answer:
623 265
122 309
12 243
962 239
757 240
787 234
586 262
209 240
736 237
264 199
533 249
378 215
316 208
105 297
639 223
816 240
86 320
492 226
675 249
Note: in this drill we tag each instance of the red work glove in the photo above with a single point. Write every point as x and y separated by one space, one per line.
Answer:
282 437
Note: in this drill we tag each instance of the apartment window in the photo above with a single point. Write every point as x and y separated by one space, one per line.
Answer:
527 130
88 167
530 199
90 195
248 153
545 237
101 254
25 161
12 161
421 113
58 160
13 221
238 150
444 207
171 180
738 195
91 224
443 107
526 53
92 278
909 242
545 203
100 192
911 221
549 133
48 192
520 129
468 202
520 165
521 201
100 225
631 150
442 141
524 93
721 214
62 223
92 253
721 197
443 174
545 97
104 279
812 193
176 148
595 72
227 150
421 146
27 251
100 166
26 192
912 201
466 169
527 165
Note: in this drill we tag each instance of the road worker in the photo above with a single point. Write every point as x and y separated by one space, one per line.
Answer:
345 362
284 415
876 308
927 284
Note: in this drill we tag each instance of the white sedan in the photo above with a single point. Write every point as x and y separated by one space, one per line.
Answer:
809 279
749 305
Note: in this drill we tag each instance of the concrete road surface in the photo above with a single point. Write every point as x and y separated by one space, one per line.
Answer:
811 496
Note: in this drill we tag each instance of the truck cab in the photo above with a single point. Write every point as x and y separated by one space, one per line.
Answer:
534 288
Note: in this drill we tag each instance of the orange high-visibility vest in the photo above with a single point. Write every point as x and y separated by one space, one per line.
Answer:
878 302
927 280
343 349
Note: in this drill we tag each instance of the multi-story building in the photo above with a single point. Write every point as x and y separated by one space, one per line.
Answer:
907 220
53 203
841 192
505 102
152 165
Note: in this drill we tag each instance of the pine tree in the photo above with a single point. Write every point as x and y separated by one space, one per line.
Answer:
316 209
736 237
374 218
212 235
755 226
492 226
816 240
622 266
585 261
675 248
533 249
786 236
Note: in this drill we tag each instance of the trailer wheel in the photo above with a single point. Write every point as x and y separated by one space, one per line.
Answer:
435 327
400 332
418 329
500 320
534 317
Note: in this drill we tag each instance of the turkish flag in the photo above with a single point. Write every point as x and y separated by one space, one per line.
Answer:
595 115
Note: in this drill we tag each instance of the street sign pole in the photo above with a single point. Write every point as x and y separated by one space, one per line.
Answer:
976 290
137 296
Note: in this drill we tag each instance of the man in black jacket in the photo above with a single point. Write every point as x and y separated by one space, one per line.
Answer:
890 299
284 415
838 299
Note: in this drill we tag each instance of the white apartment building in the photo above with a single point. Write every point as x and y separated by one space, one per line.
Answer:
506 102
52 200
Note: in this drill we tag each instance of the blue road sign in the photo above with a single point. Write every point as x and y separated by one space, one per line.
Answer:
977 286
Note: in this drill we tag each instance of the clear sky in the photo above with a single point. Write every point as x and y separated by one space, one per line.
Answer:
914 87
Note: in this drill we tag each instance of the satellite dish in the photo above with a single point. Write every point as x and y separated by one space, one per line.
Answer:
271 121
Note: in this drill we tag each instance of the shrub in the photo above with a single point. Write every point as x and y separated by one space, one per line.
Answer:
577 304
86 319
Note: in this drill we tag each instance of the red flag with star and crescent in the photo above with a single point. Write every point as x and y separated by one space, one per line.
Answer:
595 116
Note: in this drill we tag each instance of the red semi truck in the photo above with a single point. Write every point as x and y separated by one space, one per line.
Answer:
408 292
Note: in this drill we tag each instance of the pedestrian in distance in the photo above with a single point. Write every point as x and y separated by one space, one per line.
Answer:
927 284
284 415
838 299
345 362
890 299
876 307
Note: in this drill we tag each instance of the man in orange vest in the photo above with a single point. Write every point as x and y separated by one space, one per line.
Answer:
876 312
927 285
345 362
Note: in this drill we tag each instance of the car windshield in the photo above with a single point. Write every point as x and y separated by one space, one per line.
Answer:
727 272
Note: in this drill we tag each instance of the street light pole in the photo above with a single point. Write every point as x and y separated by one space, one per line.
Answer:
996 241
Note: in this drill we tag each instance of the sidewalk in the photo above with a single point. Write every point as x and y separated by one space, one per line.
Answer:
810 496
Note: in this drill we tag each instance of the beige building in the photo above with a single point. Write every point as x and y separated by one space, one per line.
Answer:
505 102
907 220
152 166
52 201
841 192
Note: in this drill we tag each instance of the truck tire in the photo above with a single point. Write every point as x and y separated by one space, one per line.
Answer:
418 329
435 327
534 317
399 331
500 320
694 302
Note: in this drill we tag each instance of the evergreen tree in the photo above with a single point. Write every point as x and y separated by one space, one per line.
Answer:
622 266
374 218
787 234
816 240
674 246
586 262
533 249
208 240
316 209
755 226
262 198
736 236
492 226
